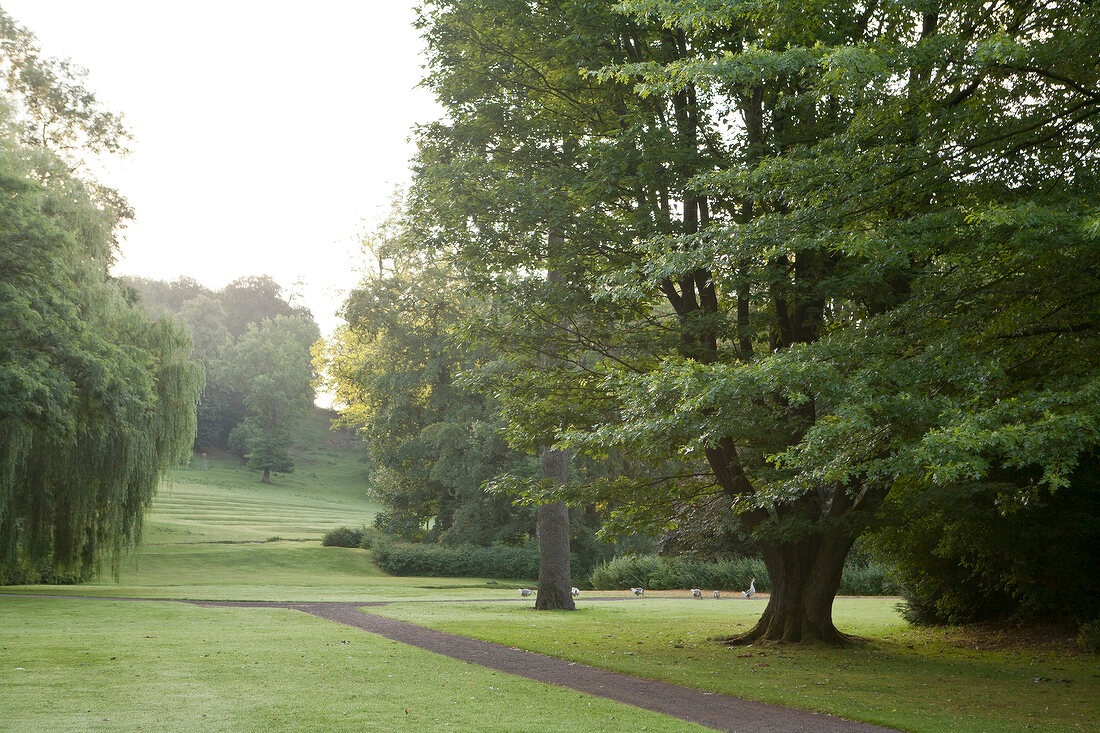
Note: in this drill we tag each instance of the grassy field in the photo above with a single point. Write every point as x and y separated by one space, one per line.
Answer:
216 532
913 679
216 500
111 665
70 665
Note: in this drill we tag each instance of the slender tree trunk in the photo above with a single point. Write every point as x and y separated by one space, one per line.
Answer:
267 476
555 582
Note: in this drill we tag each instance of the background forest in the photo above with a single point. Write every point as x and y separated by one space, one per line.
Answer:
254 347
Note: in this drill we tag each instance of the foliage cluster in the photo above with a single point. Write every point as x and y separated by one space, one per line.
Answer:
655 572
255 347
97 401
1089 637
459 561
981 555
671 573
360 537
396 370
812 257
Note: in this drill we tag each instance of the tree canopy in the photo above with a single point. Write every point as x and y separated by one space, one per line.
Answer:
396 372
96 400
819 254
220 323
270 366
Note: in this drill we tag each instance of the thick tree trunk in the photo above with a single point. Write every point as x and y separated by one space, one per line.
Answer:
805 576
555 582
266 478
804 570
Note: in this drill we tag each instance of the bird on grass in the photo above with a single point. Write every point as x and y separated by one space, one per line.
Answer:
525 592
576 591
752 589
696 592
717 594
638 591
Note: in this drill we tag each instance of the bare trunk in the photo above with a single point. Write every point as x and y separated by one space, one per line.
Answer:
555 582
804 576
266 478
552 524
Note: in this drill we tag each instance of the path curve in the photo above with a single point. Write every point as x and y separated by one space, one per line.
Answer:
713 710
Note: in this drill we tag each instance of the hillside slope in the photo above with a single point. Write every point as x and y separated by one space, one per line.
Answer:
217 500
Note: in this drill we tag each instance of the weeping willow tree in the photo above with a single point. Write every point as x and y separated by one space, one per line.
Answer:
96 400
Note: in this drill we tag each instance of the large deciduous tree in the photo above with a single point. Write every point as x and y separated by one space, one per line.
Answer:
821 254
395 371
96 400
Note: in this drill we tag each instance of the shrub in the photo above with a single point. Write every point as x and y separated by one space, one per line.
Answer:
370 538
1089 637
458 561
869 579
668 573
42 573
1001 549
344 537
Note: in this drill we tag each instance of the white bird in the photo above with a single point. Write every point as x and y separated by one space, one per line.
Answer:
717 594
525 592
752 589
576 591
638 591
696 592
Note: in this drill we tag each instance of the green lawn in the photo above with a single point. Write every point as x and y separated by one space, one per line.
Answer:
216 500
913 679
216 532
70 665
267 571
209 536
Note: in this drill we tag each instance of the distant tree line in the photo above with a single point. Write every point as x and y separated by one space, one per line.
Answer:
255 349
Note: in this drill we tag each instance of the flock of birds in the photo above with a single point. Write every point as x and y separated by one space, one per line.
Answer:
749 593
527 592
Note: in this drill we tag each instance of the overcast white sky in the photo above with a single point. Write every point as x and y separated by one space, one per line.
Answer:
266 133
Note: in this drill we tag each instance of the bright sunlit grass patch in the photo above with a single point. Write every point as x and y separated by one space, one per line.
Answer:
71 665
267 571
216 499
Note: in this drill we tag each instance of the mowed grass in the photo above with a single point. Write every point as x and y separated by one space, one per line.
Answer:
267 571
215 532
210 536
900 676
215 499
70 665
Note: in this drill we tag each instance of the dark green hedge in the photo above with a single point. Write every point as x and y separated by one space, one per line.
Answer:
363 537
669 573
459 561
